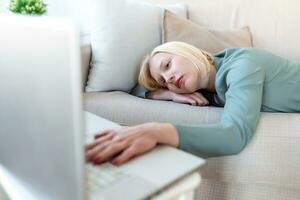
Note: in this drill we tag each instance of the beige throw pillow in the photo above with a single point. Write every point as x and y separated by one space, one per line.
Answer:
175 28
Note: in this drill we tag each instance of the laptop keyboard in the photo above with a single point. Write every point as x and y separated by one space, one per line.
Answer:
102 176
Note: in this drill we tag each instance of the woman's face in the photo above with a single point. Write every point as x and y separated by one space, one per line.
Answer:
174 72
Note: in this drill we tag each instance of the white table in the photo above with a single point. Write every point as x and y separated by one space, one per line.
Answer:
183 189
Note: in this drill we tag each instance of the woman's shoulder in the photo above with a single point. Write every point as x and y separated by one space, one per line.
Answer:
238 64
241 52
234 57
244 53
228 57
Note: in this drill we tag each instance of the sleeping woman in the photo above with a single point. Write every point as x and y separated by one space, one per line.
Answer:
245 81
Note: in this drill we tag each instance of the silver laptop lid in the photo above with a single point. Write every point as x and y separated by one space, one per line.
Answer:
40 106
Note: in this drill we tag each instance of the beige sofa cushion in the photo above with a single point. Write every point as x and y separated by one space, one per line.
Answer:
209 39
270 158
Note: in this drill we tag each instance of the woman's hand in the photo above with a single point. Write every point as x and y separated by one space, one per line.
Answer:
120 145
195 99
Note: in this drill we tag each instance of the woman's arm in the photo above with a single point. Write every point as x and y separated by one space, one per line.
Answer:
159 94
195 99
239 119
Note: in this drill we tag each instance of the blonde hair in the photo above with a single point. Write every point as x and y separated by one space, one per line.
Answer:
202 60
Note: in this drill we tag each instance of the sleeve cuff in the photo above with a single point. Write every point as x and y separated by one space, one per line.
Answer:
139 91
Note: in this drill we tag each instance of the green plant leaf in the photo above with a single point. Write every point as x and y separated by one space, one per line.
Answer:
28 6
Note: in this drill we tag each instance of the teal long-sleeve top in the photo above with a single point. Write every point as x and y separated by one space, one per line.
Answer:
248 81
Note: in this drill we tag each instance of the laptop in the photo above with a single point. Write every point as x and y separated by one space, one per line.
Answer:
43 127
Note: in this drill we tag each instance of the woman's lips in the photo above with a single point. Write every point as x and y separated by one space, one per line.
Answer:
179 82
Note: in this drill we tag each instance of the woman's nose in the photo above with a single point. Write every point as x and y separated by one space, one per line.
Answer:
171 79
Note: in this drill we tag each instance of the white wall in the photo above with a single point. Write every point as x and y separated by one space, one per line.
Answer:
74 9
3 5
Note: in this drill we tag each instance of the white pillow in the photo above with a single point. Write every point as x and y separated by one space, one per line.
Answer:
122 33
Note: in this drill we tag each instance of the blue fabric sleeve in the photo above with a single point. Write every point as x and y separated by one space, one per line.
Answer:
239 119
139 91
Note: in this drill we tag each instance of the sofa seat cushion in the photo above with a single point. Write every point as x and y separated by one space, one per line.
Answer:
271 158
124 108
214 190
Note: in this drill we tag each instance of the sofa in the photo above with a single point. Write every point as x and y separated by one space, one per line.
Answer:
268 167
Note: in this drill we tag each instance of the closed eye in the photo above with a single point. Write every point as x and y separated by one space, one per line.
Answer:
168 65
